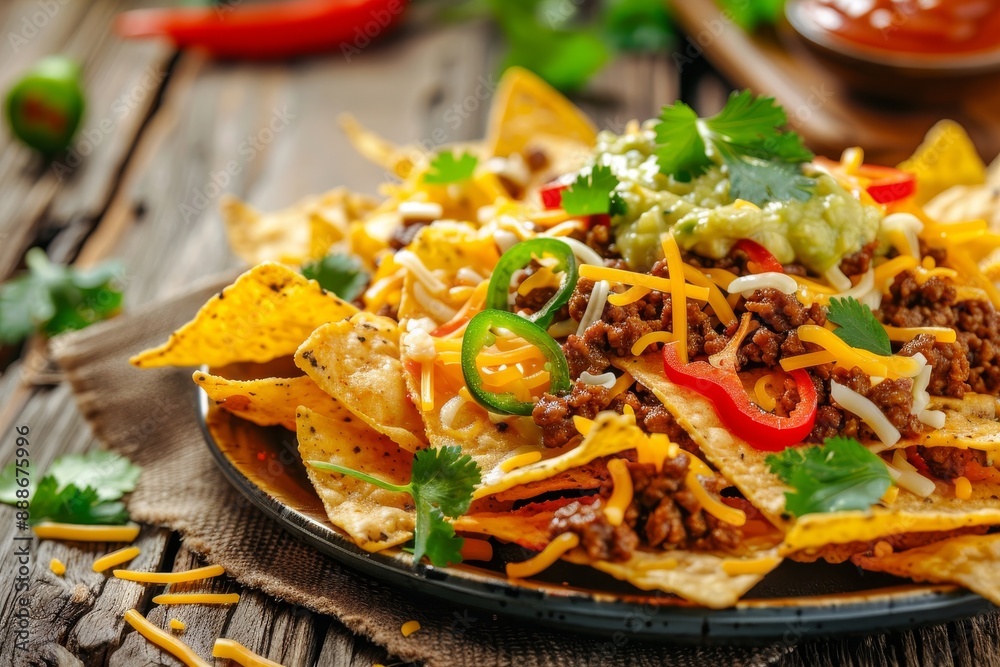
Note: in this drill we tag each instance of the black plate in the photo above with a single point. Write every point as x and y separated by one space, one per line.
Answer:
796 600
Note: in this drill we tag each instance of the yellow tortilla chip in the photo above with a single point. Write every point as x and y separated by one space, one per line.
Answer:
525 107
265 314
268 401
946 158
972 561
294 235
374 518
357 362
400 160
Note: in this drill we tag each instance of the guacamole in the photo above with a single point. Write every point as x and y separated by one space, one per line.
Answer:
817 232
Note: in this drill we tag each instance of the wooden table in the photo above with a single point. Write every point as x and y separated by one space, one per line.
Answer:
160 130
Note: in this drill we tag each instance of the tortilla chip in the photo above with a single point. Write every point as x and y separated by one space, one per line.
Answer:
527 526
970 202
965 428
972 561
265 314
267 401
399 160
946 158
611 433
374 518
295 234
357 362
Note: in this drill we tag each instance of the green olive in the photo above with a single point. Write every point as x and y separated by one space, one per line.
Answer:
45 107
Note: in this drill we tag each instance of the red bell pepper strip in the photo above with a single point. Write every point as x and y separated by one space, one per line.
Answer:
883 184
763 430
759 256
551 194
270 30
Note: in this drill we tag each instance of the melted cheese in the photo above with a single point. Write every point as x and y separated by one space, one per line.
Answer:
623 382
197 598
520 460
886 272
427 386
847 356
652 337
737 566
240 654
549 555
711 504
621 495
656 448
168 643
196 574
115 558
78 533
906 334
542 278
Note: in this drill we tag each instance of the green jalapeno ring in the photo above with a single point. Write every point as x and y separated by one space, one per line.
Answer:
519 256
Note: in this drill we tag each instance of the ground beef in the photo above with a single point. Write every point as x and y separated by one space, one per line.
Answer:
536 298
860 261
893 397
663 514
403 235
780 315
949 364
949 462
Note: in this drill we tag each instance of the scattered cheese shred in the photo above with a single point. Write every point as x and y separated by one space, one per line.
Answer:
652 337
737 566
764 399
69 531
427 386
409 628
240 654
177 625
716 299
889 497
197 598
643 279
582 424
885 273
866 411
846 355
57 566
206 572
631 295
906 334
678 293
621 494
543 277
963 488
520 460
549 555
115 558
623 382
655 448
711 504
473 549
808 359
168 643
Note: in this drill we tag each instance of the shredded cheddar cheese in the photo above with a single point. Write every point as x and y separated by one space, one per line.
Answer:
642 279
206 572
115 558
631 295
764 399
808 359
906 334
582 424
848 356
623 382
963 488
710 504
409 628
621 494
886 272
168 643
664 564
652 337
737 566
678 293
716 299
427 386
79 533
240 654
177 625
655 448
520 460
889 497
197 598
549 555
57 566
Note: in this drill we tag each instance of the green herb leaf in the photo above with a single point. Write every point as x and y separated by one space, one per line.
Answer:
441 484
858 326
747 137
749 14
593 193
110 474
446 168
50 298
338 273
840 475
73 504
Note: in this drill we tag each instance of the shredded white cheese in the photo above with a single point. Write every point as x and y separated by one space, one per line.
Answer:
867 411
747 285
606 380
582 251
595 307
416 267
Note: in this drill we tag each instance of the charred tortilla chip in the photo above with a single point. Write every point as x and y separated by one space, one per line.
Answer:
357 362
265 314
972 561
374 518
268 401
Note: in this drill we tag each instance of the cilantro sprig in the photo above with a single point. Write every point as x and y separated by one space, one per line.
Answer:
839 475
50 298
857 326
593 193
446 168
762 159
339 273
441 484
78 488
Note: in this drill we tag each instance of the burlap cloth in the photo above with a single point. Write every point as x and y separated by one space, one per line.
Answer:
150 416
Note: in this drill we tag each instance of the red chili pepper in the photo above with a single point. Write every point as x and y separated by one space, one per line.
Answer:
918 461
552 194
450 327
270 30
763 430
760 256
976 472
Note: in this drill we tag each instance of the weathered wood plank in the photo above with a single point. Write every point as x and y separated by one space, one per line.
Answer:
343 649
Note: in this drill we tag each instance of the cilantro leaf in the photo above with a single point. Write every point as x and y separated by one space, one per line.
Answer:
593 193
73 504
858 326
77 488
50 298
837 476
339 273
746 137
446 168
441 485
